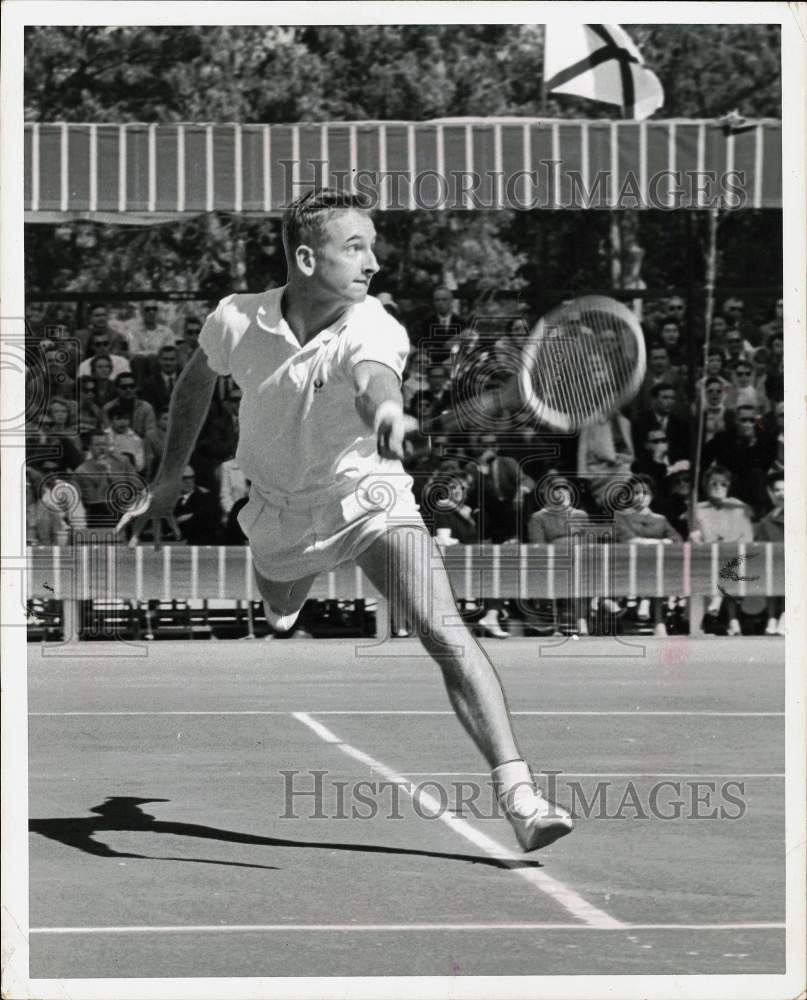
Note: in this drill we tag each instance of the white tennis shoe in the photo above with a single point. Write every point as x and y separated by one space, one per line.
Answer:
536 821
280 623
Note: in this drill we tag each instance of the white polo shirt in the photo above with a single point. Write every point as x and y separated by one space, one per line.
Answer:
301 438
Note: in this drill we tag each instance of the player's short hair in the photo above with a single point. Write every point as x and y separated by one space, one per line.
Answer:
305 219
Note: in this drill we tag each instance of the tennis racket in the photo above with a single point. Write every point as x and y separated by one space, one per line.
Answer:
580 364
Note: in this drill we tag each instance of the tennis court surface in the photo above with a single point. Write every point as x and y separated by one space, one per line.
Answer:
163 842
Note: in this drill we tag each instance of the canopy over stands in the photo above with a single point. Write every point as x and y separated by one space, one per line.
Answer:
139 173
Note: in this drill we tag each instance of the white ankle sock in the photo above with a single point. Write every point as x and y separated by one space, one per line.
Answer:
513 783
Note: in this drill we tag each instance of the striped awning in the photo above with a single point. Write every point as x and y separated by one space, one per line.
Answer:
167 170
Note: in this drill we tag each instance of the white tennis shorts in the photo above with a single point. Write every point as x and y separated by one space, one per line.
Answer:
291 538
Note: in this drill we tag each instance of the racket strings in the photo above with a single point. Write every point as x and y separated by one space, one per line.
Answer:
584 363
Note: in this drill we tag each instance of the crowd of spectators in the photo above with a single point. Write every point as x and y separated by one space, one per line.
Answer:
98 400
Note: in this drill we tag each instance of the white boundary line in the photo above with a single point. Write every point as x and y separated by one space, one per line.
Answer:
566 897
339 711
598 774
305 928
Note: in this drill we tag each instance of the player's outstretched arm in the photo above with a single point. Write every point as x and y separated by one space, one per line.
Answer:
380 405
190 402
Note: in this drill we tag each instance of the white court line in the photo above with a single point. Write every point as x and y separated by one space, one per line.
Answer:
729 715
566 897
306 928
596 774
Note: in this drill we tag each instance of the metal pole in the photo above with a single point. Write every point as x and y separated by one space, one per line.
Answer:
711 272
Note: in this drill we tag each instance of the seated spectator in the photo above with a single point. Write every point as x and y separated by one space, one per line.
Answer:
154 443
639 524
101 372
670 337
735 348
414 379
771 528
58 516
146 334
218 439
62 415
100 325
718 330
734 311
61 365
98 478
604 456
48 450
559 521
100 344
716 415
743 392
446 501
773 424
422 409
774 384
497 493
653 455
438 387
713 369
674 499
775 326
747 452
191 329
659 370
90 416
661 416
440 325
158 387
141 413
233 486
497 497
721 518
122 439
558 518
197 512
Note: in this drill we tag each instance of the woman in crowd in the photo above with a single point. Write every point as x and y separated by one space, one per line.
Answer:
643 526
560 521
771 528
721 518
90 416
57 515
101 371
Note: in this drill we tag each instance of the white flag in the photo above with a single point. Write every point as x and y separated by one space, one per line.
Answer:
600 62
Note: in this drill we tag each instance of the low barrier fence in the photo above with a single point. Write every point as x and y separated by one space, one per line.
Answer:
103 572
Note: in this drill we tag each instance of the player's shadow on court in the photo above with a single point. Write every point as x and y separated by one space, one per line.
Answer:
124 813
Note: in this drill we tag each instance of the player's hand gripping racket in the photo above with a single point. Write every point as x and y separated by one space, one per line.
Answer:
582 362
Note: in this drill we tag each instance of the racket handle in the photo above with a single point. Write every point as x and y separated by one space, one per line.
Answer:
471 415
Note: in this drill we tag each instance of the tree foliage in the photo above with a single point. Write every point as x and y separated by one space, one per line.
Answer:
383 72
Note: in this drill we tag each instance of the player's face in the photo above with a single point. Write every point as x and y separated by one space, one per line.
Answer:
344 261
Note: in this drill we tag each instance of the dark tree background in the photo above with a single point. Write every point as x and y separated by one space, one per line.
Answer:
289 74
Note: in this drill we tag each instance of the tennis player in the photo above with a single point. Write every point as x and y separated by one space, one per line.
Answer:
322 434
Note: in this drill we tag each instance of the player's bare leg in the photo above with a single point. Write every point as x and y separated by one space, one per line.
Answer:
405 565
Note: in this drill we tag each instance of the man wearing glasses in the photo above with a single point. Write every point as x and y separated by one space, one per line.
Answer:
747 451
140 413
100 344
146 334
